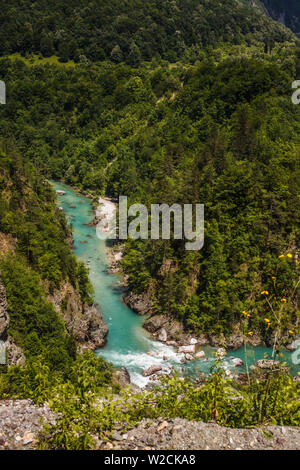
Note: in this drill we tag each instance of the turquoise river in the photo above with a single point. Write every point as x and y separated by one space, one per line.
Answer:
128 343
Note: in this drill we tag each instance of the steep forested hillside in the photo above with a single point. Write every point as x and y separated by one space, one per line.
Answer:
222 132
130 30
175 101
35 262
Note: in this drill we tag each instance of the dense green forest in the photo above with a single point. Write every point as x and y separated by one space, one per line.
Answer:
222 131
182 101
34 260
131 30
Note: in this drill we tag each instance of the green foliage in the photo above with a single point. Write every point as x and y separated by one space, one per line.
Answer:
118 114
222 132
36 263
131 30
28 212
34 323
88 374
271 400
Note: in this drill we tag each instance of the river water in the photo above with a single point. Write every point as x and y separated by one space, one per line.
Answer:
128 343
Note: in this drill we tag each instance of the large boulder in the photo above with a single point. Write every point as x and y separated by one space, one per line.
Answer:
235 342
152 370
237 362
199 354
155 323
162 335
190 349
267 363
141 304
15 354
88 327
189 357
97 328
294 345
122 377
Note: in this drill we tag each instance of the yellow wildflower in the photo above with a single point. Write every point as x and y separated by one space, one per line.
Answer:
283 300
267 320
281 256
273 277
289 255
264 292
250 333
291 332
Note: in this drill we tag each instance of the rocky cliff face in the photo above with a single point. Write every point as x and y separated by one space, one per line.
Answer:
88 327
4 319
139 303
84 322
286 12
14 354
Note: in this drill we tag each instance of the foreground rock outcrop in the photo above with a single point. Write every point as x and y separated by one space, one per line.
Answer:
181 434
21 420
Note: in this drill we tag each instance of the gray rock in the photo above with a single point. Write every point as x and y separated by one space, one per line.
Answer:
187 349
235 342
4 318
15 354
199 354
267 363
237 362
189 357
294 345
193 341
152 370
182 434
155 323
162 335
88 327
140 304
97 328
122 376
171 343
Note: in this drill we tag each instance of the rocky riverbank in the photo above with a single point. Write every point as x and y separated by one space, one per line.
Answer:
165 329
170 331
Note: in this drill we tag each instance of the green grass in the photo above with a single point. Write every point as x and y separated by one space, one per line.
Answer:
34 59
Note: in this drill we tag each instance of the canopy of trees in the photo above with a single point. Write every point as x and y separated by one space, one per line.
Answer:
130 29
